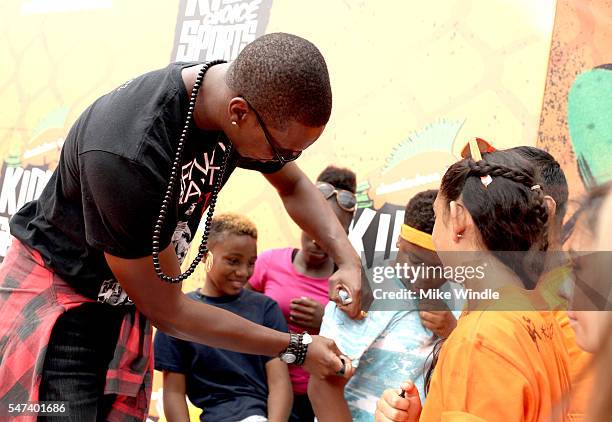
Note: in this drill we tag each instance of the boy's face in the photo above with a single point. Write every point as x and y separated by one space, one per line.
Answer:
313 254
442 231
233 263
413 255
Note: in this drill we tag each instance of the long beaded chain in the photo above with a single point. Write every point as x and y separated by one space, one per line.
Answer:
203 248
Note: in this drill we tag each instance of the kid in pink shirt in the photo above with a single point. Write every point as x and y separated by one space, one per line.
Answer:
298 278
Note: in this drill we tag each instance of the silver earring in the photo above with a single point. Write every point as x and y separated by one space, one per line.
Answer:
459 236
234 123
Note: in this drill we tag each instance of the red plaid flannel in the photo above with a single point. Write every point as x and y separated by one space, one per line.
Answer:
31 299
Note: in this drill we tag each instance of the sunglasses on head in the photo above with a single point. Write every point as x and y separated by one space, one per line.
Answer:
346 200
282 155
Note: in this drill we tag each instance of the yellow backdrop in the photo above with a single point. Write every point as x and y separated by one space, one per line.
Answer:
411 82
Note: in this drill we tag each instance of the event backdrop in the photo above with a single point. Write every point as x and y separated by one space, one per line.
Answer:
576 120
412 82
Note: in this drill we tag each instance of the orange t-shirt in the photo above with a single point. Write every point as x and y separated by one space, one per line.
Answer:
500 366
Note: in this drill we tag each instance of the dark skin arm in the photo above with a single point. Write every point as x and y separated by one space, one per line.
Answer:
175 314
307 207
327 399
175 406
280 393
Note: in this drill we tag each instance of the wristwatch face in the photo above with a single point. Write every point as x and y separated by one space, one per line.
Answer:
288 357
306 339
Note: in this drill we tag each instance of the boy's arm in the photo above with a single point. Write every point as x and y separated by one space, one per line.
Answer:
327 399
175 406
280 392
327 394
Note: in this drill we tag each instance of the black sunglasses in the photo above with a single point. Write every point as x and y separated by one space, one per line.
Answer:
282 155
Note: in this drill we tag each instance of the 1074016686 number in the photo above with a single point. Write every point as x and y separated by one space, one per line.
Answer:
36 408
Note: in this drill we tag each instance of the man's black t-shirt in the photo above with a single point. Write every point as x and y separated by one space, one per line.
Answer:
106 191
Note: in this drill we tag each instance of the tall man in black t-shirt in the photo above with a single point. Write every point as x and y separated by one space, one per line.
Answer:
88 238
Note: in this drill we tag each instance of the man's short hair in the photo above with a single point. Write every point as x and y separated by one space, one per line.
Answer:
419 212
285 78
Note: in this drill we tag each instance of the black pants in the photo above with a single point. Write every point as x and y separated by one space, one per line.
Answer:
302 409
81 347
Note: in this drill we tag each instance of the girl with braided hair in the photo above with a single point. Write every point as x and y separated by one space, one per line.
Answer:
497 364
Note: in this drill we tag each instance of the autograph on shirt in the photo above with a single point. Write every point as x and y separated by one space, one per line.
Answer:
546 331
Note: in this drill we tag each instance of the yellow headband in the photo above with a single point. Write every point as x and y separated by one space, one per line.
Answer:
419 238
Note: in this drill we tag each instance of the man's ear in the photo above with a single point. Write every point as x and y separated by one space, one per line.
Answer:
551 205
237 109
458 219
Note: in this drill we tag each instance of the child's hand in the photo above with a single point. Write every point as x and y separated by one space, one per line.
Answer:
441 323
393 407
436 317
306 312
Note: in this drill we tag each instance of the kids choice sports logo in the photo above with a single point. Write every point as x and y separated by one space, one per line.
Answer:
19 184
218 29
415 165
25 168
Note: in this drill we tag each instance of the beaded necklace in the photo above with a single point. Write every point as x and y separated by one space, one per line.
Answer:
172 184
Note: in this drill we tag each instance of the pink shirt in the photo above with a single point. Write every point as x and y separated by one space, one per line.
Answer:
275 276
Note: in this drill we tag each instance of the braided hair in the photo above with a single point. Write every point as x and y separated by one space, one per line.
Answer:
510 213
